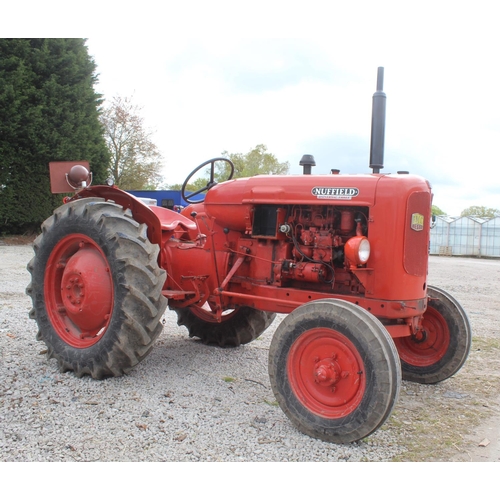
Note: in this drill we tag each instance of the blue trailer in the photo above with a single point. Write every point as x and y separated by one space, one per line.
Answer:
167 198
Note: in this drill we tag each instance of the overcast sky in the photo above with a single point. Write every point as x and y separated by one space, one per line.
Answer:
299 78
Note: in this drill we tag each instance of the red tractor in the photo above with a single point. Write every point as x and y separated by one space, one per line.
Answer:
345 256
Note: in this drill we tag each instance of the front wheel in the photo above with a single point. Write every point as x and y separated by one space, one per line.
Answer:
441 348
334 370
96 288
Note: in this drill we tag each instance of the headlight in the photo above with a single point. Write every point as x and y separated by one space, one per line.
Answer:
357 250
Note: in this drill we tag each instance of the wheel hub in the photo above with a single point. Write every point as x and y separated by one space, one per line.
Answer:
420 336
429 344
73 289
326 372
86 289
78 290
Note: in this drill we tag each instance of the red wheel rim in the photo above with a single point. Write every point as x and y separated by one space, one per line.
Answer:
78 290
430 346
326 373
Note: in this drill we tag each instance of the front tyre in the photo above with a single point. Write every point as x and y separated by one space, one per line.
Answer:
441 348
96 288
334 370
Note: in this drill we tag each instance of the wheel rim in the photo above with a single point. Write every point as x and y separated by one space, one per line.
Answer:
326 373
429 346
78 290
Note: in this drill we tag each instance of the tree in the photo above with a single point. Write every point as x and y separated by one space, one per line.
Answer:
256 162
437 211
476 211
136 162
49 111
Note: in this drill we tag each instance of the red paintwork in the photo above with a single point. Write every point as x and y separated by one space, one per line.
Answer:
157 219
225 253
429 346
78 290
384 286
326 373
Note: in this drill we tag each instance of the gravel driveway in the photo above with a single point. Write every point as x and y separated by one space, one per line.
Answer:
190 402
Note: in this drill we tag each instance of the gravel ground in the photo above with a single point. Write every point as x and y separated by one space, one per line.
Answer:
190 402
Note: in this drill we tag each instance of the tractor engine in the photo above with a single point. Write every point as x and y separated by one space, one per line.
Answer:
271 246
309 242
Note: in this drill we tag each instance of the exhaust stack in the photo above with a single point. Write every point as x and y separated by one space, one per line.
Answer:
378 125
307 161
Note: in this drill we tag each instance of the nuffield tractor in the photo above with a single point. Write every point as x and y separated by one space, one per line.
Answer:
344 256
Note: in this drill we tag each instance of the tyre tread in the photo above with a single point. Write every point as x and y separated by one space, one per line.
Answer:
379 346
245 325
142 280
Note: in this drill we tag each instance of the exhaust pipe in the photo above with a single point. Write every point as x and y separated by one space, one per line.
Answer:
307 161
378 125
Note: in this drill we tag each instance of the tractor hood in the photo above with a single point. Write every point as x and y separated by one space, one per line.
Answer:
300 189
232 202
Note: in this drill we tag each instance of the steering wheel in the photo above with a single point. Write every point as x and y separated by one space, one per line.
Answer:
210 184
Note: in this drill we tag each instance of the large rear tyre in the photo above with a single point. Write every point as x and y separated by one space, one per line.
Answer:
334 370
240 326
442 347
96 289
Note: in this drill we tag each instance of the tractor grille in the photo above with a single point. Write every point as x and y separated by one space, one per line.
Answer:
417 230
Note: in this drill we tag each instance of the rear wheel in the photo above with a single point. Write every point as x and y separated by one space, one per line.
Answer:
96 288
442 347
334 370
240 326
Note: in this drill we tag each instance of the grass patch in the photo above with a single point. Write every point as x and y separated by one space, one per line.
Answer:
271 403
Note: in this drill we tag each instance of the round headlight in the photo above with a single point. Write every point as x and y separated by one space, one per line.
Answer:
357 250
364 251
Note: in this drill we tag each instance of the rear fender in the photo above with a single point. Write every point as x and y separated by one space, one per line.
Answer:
157 219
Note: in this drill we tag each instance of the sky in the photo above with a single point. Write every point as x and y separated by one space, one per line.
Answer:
299 77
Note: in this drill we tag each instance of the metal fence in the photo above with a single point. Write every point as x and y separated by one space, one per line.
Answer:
468 236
